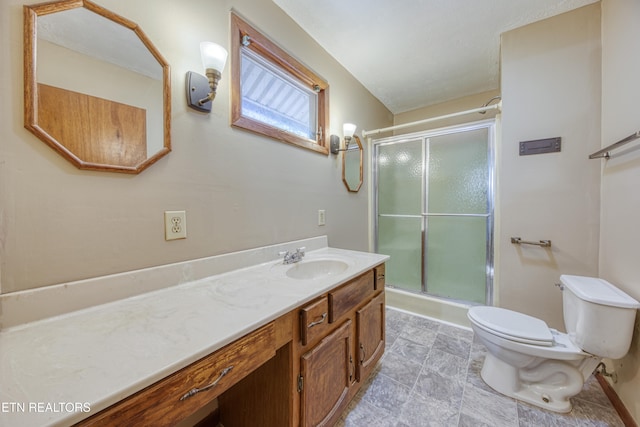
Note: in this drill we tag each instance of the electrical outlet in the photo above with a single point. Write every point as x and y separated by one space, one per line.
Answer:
175 225
321 217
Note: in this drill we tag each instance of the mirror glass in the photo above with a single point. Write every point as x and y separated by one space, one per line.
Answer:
352 165
96 89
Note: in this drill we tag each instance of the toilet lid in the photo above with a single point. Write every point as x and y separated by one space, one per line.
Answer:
512 325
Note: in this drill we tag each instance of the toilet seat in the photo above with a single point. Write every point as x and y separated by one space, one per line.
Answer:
512 325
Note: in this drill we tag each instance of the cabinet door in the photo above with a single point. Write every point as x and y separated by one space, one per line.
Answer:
370 333
325 378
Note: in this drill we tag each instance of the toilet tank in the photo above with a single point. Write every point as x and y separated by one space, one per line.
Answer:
599 317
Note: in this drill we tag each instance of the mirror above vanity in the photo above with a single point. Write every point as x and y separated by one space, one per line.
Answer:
96 88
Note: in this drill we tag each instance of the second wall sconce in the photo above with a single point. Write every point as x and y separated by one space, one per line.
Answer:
348 129
201 90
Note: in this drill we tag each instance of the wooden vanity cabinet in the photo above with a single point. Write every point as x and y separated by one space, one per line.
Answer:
301 370
333 364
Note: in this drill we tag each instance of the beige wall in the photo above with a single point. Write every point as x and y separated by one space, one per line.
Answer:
620 230
454 106
550 87
240 190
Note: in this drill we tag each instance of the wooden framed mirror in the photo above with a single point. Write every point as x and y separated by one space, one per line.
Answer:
95 88
352 165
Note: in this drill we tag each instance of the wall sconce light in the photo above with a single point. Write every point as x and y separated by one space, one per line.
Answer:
348 129
201 90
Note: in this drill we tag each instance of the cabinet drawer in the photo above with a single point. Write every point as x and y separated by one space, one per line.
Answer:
350 295
314 320
379 277
173 398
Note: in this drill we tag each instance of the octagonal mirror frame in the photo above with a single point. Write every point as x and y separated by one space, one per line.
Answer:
31 89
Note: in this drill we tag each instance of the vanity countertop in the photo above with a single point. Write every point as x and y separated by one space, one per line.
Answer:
53 370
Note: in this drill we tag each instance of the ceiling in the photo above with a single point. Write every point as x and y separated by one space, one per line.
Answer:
414 53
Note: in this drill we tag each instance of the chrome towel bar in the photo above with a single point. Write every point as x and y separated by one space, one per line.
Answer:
605 151
519 241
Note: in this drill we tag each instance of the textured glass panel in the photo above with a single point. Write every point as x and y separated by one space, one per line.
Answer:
401 239
458 173
457 182
457 257
400 168
271 97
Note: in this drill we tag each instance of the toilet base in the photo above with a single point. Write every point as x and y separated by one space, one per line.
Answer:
549 384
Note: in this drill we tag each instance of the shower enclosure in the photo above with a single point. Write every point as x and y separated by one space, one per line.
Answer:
434 211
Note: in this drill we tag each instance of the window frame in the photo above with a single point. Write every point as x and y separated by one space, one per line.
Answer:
269 51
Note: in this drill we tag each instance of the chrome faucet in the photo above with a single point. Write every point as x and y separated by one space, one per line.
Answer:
290 257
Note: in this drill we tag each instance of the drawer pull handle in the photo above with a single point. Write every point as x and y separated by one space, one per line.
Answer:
381 277
195 391
317 322
364 356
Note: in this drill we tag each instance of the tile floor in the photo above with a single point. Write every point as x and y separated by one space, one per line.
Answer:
430 376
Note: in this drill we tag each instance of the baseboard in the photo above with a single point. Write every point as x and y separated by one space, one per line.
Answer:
626 417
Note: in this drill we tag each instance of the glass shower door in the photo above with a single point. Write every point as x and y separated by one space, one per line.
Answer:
400 185
457 215
434 212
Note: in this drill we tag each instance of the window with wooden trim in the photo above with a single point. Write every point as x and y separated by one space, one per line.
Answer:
273 94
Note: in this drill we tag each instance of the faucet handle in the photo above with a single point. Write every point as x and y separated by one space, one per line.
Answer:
283 253
301 250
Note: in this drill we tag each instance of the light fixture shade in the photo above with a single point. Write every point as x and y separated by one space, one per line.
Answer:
348 129
213 56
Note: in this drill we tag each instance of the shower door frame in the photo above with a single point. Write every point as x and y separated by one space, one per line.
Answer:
425 136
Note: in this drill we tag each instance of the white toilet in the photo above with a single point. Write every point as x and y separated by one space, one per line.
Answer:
531 362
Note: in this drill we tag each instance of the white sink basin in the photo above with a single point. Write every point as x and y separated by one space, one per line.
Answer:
317 268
